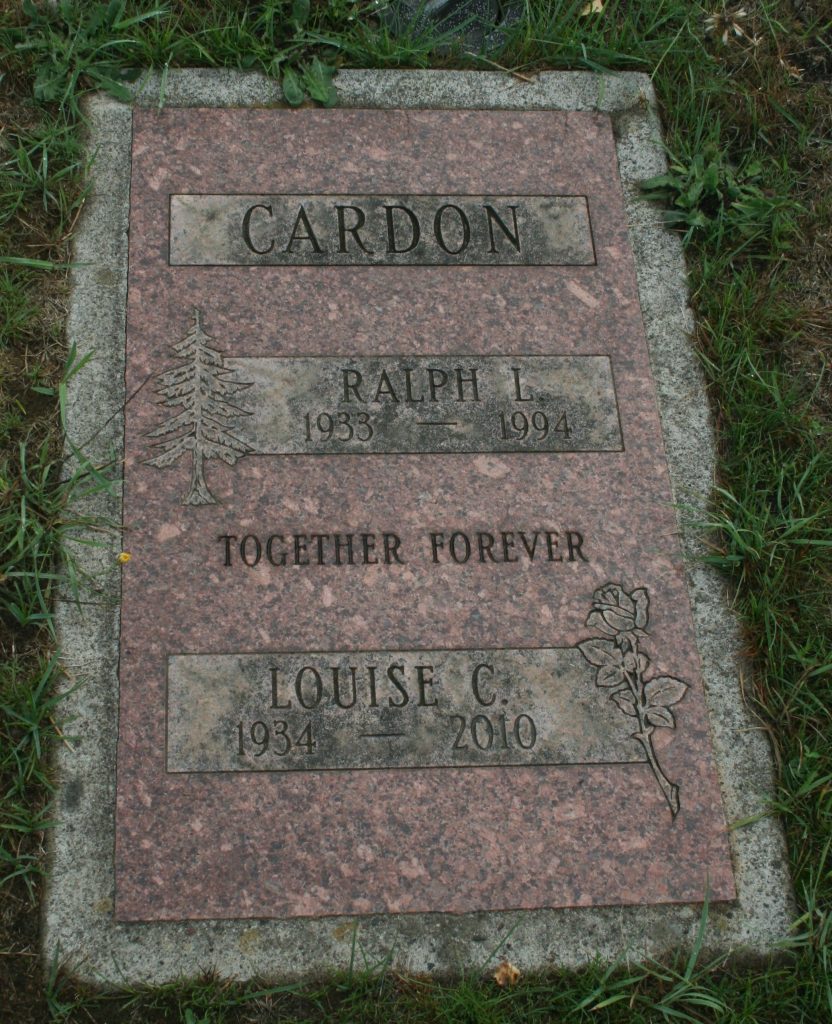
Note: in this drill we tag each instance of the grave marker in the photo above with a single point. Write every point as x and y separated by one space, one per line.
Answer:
326 589
406 628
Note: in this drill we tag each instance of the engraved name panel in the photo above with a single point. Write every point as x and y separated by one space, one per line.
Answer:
390 709
380 230
425 404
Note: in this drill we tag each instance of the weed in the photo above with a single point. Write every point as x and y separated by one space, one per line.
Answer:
706 192
77 46
28 727
37 526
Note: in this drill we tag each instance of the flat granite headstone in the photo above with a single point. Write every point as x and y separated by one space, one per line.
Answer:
405 639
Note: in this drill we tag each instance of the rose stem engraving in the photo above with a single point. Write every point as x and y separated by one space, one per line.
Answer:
202 385
622 619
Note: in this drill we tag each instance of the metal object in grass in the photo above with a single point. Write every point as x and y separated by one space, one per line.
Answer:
478 24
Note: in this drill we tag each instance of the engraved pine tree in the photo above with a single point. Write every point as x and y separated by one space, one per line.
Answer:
202 385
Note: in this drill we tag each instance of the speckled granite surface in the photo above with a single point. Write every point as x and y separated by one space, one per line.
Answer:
450 839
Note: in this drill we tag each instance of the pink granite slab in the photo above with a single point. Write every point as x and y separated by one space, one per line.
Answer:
277 844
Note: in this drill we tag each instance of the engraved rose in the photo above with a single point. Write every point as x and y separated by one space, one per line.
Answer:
621 618
614 611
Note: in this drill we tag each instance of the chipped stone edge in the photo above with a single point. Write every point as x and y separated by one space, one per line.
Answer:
78 923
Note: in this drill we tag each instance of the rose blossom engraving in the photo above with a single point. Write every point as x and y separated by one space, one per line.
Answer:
622 619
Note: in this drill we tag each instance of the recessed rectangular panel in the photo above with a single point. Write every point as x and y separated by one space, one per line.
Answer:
420 404
309 711
374 230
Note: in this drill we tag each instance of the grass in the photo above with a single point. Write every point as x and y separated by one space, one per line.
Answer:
748 125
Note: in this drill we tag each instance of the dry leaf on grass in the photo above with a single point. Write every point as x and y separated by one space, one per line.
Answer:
593 7
506 975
